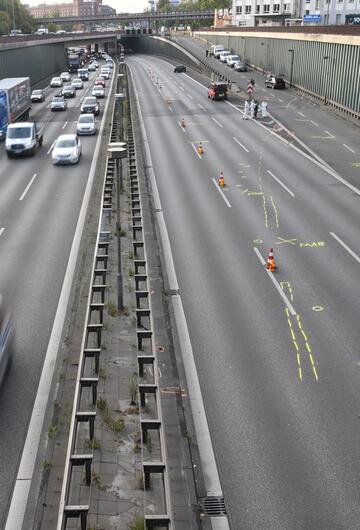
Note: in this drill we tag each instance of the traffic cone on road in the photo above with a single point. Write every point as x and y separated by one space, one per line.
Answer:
200 149
271 265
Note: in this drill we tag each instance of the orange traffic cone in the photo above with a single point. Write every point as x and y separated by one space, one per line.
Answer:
200 149
271 265
221 180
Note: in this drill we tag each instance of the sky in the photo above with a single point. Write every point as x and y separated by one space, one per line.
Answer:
124 6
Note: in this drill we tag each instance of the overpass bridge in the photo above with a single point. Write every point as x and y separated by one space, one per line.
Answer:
143 19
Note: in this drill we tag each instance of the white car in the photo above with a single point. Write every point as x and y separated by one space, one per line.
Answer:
66 150
65 76
56 82
98 91
223 56
86 124
232 59
77 83
105 74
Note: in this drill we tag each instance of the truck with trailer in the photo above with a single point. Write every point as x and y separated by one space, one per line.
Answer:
15 101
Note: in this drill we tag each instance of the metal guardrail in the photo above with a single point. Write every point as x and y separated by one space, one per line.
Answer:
148 385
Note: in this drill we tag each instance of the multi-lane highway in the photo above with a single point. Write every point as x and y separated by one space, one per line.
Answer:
39 209
277 355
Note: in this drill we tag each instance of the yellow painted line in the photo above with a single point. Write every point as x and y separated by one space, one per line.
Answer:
311 359
289 322
276 212
315 373
308 347
296 345
293 335
304 335
265 212
300 374
298 359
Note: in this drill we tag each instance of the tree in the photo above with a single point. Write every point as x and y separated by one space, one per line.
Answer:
52 27
163 6
5 23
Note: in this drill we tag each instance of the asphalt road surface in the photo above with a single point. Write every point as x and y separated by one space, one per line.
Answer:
39 207
277 356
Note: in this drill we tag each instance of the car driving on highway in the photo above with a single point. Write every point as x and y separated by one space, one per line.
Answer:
98 91
66 150
6 338
58 103
37 96
65 76
77 83
56 82
232 59
68 91
217 91
90 105
86 124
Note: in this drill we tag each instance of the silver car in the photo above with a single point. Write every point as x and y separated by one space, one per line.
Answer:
58 103
77 83
66 150
86 124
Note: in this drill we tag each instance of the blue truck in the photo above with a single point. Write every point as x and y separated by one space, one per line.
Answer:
15 102
74 62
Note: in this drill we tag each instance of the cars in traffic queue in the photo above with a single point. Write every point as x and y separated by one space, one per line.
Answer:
100 81
58 103
56 82
90 105
218 51
275 81
109 63
68 91
91 67
217 90
179 68
240 66
105 74
232 59
22 138
6 338
86 124
83 74
98 91
216 48
65 76
66 150
37 96
77 83
223 55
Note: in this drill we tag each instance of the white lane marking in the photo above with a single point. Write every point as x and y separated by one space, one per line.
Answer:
301 114
190 96
275 282
52 145
281 100
2 230
314 123
195 149
347 147
221 193
215 120
344 245
281 183
329 133
202 108
241 145
181 88
28 187
65 124
160 373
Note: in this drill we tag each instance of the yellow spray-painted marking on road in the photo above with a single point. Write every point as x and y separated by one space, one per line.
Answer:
299 346
276 212
265 212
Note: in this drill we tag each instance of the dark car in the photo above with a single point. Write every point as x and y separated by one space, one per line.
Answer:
180 68
217 91
68 91
37 95
274 81
239 66
90 106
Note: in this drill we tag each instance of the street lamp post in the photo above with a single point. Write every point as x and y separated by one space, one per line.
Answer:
291 66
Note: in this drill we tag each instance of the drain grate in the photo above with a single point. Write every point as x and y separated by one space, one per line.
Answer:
213 506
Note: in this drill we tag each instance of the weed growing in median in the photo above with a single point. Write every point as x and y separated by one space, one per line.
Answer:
137 524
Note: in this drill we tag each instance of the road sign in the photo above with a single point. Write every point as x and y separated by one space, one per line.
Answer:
249 89
312 18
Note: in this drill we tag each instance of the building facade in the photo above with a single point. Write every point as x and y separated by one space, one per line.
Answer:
287 12
75 9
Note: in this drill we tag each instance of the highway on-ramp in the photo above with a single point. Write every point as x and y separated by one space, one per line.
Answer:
277 354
